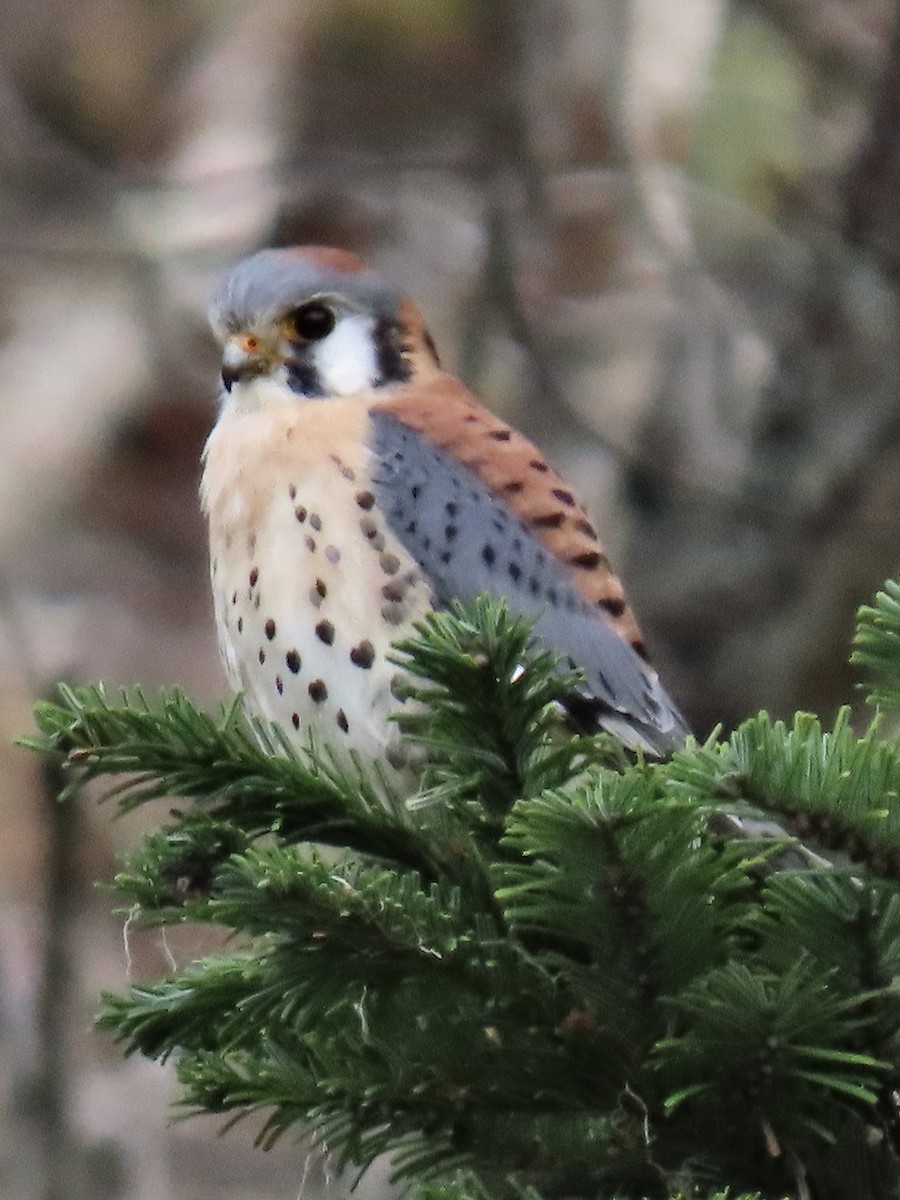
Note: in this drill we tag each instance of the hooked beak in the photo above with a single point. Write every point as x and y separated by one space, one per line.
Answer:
243 357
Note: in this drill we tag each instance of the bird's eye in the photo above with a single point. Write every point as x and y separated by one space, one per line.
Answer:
312 321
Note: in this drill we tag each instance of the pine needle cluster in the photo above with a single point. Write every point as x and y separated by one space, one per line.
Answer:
555 971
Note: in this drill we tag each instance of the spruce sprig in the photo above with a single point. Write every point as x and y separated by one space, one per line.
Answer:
547 973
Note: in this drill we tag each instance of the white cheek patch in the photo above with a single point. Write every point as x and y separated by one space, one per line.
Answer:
345 361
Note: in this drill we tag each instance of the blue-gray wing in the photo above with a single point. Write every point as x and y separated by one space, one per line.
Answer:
479 511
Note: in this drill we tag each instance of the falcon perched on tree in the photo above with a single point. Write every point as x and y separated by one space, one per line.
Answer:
351 486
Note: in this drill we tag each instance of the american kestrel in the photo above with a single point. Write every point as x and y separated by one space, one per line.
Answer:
352 486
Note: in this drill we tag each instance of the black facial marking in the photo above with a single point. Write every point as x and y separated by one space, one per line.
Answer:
393 366
431 348
303 378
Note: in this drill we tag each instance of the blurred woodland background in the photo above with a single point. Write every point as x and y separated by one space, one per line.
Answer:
663 238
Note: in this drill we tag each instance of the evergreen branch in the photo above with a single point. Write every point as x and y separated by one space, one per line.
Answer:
829 787
249 776
539 968
619 878
199 1008
491 708
752 1034
877 645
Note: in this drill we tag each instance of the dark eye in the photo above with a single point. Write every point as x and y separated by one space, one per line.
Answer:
312 321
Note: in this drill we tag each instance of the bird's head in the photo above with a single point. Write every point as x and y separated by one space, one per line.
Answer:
316 323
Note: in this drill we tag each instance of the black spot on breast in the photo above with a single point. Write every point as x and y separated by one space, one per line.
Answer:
500 435
310 542
552 597
584 526
489 555
450 532
300 513
342 721
315 522
395 590
451 508
446 557
515 572
538 464
325 632
389 563
321 589
318 691
270 629
261 656
292 492
279 685
254 576
564 496
295 720
363 655
365 500
292 661
234 597
514 485
240 625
